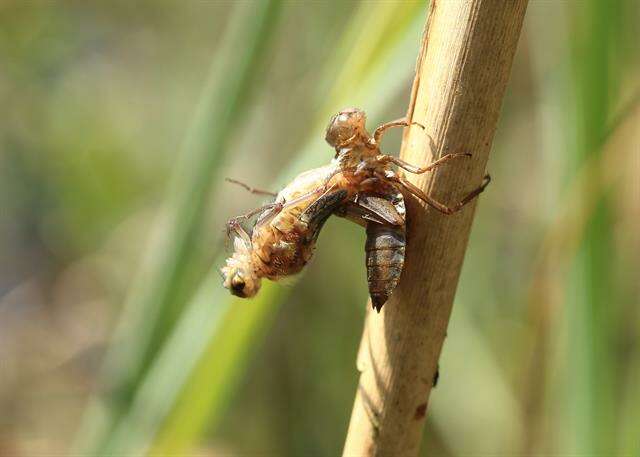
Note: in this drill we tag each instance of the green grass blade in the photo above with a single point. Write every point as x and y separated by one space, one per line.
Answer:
210 386
230 325
591 288
152 306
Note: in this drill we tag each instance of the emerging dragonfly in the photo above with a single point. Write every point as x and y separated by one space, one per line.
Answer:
359 184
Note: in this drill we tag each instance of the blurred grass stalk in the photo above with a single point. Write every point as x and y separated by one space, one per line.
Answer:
195 373
592 303
496 409
153 303
560 247
588 407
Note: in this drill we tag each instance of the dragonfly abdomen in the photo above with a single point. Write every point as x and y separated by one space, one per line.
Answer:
385 249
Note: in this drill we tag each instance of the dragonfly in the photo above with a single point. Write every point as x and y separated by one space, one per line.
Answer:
361 184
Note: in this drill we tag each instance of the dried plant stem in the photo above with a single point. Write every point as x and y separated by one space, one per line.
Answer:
461 75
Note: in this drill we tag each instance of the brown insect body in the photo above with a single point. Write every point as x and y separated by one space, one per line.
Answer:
283 237
359 184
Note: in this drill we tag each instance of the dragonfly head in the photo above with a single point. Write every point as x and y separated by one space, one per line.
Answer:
238 275
345 127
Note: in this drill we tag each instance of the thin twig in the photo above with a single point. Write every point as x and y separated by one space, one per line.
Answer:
457 93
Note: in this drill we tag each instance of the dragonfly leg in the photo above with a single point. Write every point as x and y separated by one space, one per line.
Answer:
441 206
253 190
233 224
402 122
418 170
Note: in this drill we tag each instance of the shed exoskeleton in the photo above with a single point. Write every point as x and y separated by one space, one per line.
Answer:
376 195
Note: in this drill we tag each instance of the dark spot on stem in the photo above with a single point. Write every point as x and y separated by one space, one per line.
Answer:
421 410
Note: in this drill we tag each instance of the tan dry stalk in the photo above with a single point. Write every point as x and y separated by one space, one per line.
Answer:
461 75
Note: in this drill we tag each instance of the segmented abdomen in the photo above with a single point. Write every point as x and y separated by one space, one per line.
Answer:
385 248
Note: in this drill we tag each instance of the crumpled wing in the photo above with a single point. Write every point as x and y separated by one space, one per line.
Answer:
374 208
319 211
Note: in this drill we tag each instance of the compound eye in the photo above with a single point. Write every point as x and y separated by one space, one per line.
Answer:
237 286
333 131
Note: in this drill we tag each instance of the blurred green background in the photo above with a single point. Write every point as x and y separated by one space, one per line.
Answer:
121 120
